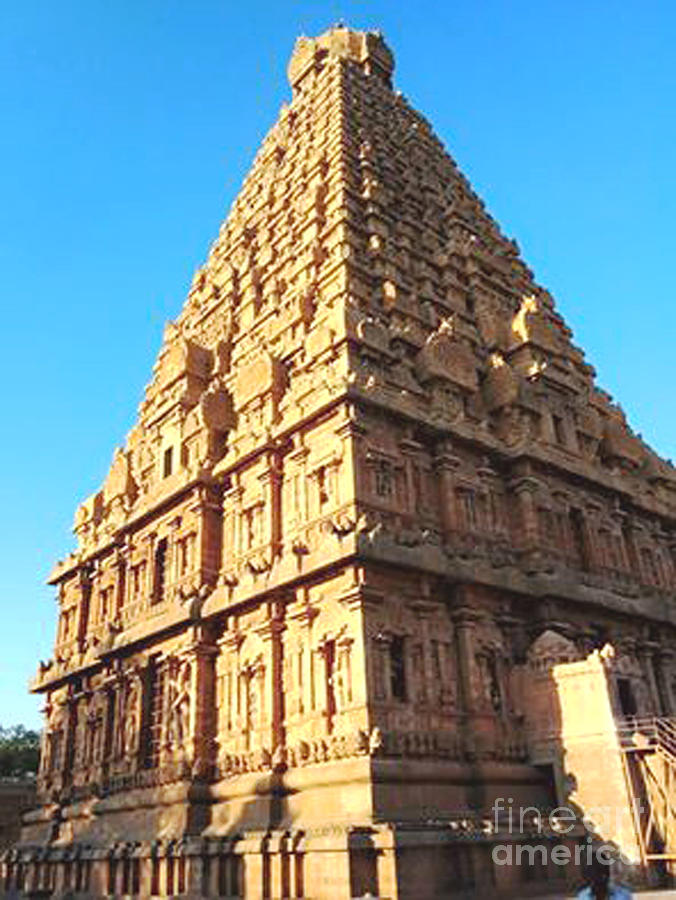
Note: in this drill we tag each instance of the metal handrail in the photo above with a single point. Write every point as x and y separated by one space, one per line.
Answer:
654 735
658 731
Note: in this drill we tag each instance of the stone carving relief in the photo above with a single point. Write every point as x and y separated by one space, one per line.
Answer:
549 649
177 699
128 718
446 357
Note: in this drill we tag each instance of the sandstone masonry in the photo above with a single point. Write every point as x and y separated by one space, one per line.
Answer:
372 498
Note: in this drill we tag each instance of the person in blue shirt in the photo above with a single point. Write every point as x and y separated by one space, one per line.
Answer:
598 884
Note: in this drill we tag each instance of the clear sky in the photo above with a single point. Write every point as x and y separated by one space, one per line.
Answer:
127 128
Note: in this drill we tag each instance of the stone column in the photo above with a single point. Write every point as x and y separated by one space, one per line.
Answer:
252 857
645 653
146 873
424 611
305 616
119 855
409 450
671 568
272 487
386 862
229 669
98 879
665 664
354 601
58 881
85 578
108 736
213 885
353 434
526 487
210 523
279 865
295 515
594 555
619 519
629 533
163 855
202 724
196 868
120 564
446 465
271 631
70 736
231 534
464 620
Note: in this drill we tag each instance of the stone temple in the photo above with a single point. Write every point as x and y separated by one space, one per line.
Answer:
378 564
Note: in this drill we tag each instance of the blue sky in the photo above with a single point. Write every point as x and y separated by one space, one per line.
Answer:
128 127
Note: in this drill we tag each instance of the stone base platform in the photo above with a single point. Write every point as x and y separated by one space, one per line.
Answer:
333 863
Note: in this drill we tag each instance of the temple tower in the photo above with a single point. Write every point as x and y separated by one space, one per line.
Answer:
372 497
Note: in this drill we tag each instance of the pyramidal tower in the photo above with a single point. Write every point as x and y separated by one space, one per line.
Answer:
377 563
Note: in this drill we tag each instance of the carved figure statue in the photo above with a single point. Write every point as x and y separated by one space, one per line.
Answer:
178 706
130 722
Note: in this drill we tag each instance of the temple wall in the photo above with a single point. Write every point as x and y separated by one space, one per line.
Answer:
338 591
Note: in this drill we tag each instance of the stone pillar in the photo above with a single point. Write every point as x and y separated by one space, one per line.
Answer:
656 679
619 519
196 868
146 873
210 536
69 749
202 724
409 450
327 873
271 632
423 612
665 663
231 533
252 849
353 433
464 620
386 861
277 860
645 654
98 879
632 528
85 578
305 615
275 471
671 566
446 464
271 481
120 564
105 753
58 875
526 487
120 856
590 529
213 884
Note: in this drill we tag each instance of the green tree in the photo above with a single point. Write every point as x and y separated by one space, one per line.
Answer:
19 751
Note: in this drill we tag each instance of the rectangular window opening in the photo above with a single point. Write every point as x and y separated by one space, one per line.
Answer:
167 462
160 578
